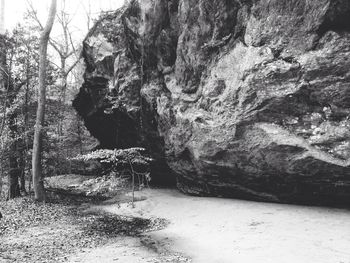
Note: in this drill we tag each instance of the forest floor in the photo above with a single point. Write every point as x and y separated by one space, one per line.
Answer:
167 226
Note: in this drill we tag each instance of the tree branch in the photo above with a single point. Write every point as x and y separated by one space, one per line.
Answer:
73 65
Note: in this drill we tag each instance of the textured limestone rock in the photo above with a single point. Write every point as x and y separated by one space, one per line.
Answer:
247 99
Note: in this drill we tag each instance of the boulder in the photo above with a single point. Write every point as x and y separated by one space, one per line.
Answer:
246 99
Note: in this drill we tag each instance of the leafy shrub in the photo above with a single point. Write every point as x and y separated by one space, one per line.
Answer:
130 163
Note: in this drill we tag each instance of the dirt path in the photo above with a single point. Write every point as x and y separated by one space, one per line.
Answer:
212 230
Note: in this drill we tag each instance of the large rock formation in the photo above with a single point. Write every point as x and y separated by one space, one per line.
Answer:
238 98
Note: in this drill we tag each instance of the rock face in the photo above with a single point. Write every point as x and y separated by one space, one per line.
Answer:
247 99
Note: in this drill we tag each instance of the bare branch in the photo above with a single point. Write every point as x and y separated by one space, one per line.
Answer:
33 14
73 65
54 64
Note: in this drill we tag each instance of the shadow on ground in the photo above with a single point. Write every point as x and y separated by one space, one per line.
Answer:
51 231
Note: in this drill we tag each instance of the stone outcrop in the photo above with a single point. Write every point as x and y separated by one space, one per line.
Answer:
247 99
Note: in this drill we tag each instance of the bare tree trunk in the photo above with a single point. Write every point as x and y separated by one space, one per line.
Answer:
38 184
14 172
22 169
25 148
3 80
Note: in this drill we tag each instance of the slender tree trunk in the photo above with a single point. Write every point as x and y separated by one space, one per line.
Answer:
24 151
3 80
13 176
38 184
14 154
22 169
14 172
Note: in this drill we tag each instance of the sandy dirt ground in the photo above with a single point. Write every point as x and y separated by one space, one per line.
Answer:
213 230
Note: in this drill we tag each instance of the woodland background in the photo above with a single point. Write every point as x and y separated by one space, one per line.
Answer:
64 134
